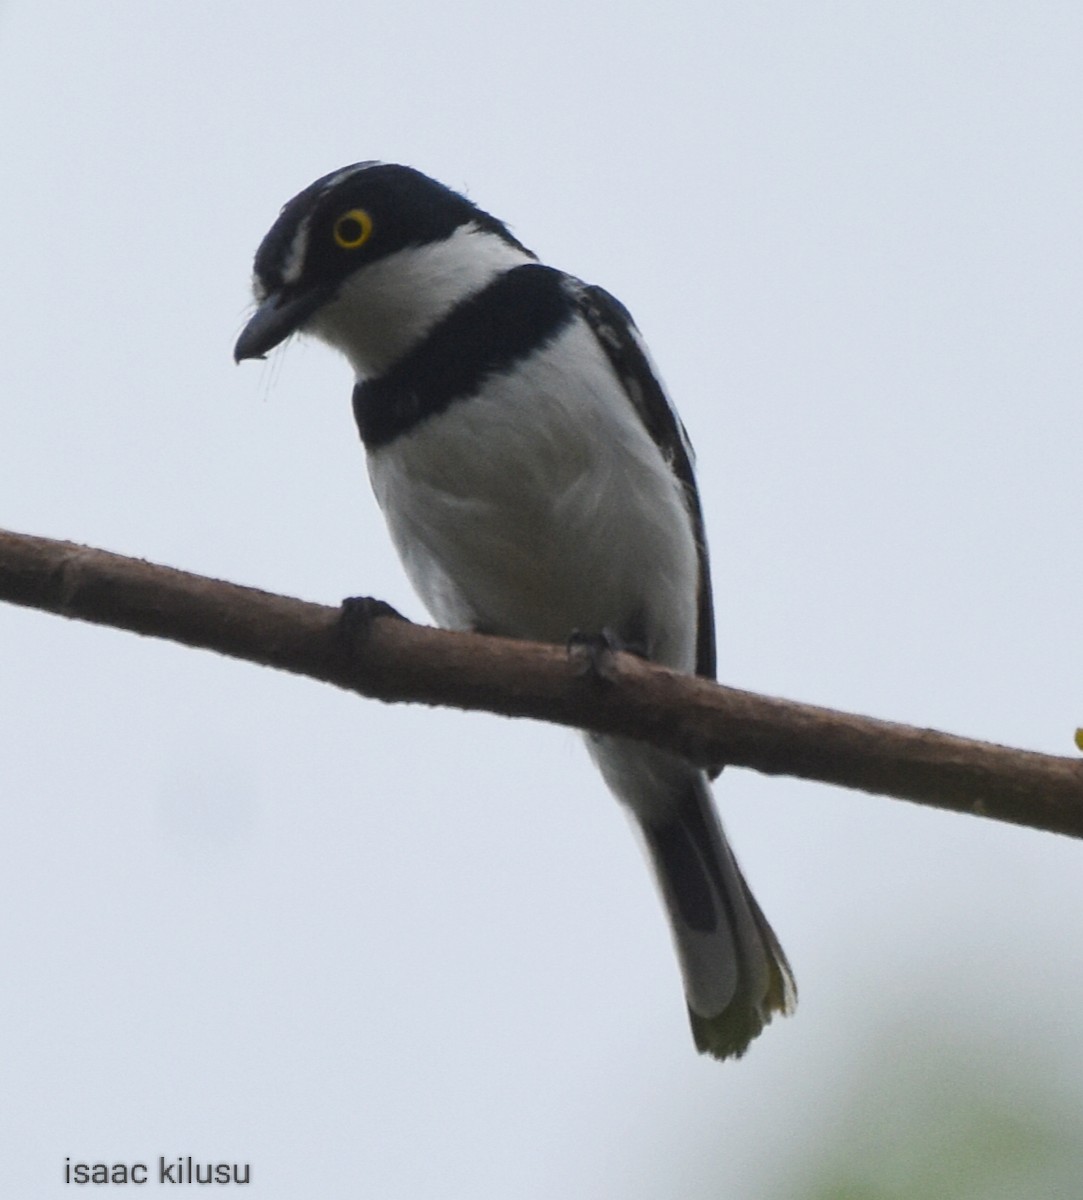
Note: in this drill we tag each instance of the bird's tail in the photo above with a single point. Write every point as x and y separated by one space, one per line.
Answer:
736 976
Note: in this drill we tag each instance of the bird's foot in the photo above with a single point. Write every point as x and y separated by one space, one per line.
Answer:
357 613
592 654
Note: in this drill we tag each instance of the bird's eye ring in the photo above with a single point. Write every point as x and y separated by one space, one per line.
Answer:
353 229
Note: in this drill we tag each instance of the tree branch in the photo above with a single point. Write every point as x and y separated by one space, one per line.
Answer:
395 660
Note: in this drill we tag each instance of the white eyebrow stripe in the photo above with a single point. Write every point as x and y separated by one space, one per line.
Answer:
346 172
294 262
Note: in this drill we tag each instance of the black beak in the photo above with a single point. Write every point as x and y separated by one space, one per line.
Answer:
281 314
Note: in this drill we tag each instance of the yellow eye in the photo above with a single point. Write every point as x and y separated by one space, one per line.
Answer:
353 229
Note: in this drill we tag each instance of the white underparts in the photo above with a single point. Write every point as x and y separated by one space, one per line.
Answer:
541 505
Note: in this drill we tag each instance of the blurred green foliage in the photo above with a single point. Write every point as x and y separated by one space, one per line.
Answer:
948 1117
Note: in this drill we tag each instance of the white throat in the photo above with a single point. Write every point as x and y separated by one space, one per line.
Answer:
383 309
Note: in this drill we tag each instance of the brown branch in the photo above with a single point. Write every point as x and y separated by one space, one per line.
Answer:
399 661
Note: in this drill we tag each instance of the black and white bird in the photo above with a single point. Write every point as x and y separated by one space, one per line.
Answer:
537 483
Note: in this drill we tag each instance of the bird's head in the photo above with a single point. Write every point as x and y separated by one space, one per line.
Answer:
368 258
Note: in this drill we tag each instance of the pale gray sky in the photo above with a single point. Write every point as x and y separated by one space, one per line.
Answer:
403 953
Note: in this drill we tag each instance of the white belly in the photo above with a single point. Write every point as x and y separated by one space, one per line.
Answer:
545 508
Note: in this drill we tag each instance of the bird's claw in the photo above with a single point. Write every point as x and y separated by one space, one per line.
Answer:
356 614
592 654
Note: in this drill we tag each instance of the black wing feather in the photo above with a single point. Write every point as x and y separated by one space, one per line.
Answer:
616 331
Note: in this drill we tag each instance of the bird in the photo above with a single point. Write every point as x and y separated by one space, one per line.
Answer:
537 483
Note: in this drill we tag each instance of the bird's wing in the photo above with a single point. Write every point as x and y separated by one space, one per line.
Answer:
616 331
